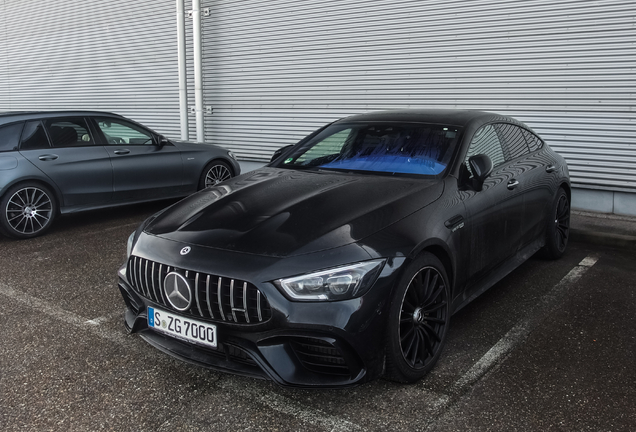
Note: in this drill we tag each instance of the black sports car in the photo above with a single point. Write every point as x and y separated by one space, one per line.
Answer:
346 256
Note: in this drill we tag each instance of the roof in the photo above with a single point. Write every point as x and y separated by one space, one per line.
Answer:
8 117
437 116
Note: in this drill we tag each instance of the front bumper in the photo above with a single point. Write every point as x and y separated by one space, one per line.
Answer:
298 344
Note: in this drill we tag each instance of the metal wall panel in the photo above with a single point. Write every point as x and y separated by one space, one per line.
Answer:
4 68
274 70
115 55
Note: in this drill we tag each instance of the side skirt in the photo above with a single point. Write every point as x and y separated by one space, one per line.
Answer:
496 275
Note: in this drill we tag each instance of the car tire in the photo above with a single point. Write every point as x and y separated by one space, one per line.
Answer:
27 210
418 321
557 232
214 173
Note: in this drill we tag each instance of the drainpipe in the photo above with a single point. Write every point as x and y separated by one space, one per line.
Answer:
183 80
198 70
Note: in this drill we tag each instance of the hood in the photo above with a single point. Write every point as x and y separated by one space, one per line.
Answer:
282 212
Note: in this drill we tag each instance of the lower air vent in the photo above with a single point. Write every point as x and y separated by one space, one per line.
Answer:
320 356
130 301
239 355
214 298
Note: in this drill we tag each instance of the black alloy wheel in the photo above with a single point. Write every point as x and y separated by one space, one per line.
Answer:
558 227
28 211
214 173
418 320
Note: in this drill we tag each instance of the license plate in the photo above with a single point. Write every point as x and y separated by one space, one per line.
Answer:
187 329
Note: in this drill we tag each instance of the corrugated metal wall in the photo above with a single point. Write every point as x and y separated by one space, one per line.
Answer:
276 69
115 55
4 67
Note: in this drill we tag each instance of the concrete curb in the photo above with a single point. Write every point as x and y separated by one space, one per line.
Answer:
603 229
602 238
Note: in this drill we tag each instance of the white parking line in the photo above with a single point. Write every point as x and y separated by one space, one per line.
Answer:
270 399
103 319
523 328
316 417
63 315
287 406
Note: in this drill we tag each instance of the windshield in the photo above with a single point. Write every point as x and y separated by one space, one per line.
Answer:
423 149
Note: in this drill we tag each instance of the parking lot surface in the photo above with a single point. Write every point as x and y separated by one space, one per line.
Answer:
551 347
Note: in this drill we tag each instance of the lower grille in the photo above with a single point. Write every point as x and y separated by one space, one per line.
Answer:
320 356
239 355
214 298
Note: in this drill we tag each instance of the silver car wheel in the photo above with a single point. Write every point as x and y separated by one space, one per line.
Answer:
216 174
29 210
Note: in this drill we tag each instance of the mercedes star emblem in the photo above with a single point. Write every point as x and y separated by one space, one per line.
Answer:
177 290
186 250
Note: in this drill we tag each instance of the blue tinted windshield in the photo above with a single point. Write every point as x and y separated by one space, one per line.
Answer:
389 163
422 149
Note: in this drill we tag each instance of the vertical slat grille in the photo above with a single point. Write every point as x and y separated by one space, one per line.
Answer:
214 297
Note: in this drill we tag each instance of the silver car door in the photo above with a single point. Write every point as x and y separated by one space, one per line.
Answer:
80 169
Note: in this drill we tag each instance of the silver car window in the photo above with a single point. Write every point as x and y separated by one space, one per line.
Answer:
33 136
68 132
10 136
120 132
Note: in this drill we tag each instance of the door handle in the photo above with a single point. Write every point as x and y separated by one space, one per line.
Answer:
455 223
550 169
48 157
121 152
513 184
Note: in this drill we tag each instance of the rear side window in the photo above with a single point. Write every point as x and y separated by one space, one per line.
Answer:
33 136
68 132
534 142
10 136
513 140
486 141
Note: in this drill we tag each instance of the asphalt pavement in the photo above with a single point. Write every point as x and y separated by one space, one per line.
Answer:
550 347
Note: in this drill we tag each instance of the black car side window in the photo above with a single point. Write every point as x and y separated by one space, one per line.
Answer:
10 136
68 132
33 136
534 142
119 132
486 141
513 140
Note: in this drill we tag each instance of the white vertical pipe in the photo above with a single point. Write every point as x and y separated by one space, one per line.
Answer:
183 75
198 71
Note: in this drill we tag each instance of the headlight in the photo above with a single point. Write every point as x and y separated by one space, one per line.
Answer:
338 283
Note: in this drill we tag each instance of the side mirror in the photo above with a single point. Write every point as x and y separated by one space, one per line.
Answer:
162 141
279 152
481 166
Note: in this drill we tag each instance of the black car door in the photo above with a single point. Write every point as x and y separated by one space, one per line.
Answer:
532 178
544 180
80 169
142 169
494 214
